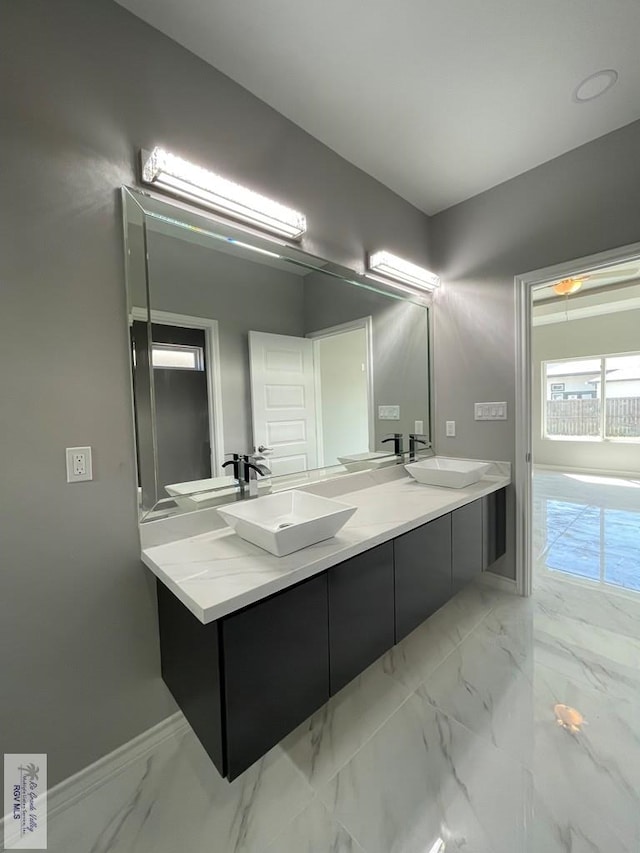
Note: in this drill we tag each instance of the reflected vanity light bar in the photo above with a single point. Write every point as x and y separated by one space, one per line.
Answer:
391 266
253 248
177 176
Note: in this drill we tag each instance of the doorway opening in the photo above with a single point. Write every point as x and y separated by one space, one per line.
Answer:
344 391
578 422
184 435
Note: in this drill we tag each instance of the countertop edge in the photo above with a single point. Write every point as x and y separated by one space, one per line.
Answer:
269 587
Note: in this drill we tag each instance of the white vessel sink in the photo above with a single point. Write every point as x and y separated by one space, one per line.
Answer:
453 473
365 461
194 493
286 522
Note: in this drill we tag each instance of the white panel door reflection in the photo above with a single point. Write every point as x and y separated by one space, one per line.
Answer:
283 400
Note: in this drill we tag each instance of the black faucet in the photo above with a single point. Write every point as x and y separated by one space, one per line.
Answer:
245 470
415 439
396 438
236 461
250 463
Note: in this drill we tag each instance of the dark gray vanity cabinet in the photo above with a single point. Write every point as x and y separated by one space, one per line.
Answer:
276 669
494 532
361 613
466 543
191 669
247 680
423 579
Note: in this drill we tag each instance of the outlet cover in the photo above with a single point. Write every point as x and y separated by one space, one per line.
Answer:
450 429
79 464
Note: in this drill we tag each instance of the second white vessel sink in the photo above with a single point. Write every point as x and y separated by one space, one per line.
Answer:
365 461
442 471
287 522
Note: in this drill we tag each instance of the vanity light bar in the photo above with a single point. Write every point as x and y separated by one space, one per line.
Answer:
391 266
166 171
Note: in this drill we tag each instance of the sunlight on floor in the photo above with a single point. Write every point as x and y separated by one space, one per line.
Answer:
587 527
604 481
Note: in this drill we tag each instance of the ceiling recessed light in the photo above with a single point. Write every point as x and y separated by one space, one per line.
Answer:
595 85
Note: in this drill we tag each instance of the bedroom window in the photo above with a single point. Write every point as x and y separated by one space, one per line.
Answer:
592 399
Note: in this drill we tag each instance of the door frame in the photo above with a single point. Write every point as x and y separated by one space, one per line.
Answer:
214 373
523 286
365 323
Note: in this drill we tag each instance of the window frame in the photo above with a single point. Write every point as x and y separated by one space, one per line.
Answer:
197 351
602 436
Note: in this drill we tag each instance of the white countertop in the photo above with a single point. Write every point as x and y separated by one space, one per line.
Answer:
217 573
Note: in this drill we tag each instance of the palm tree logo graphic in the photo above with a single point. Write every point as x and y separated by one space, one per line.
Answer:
30 771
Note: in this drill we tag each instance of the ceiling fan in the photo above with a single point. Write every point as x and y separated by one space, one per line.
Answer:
567 286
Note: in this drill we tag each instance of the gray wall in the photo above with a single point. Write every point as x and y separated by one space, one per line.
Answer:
608 333
583 202
84 86
187 278
400 346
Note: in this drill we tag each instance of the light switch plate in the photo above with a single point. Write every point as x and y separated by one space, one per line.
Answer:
490 411
79 464
450 429
389 413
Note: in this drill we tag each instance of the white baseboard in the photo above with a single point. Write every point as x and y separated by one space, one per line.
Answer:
499 582
68 792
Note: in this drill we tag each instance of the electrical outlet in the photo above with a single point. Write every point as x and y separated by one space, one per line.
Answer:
418 427
450 429
79 467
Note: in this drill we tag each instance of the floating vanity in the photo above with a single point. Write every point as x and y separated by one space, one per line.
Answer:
252 644
320 368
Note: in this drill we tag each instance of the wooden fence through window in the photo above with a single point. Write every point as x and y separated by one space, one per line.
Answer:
582 417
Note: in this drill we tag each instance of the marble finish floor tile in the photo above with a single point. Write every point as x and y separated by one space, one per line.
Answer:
423 776
420 653
588 604
314 831
588 526
451 735
486 683
329 738
176 800
598 657
587 782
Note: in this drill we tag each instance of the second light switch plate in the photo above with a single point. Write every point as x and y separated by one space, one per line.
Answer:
389 413
490 411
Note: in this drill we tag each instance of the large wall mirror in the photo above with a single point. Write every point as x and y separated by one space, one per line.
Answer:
241 344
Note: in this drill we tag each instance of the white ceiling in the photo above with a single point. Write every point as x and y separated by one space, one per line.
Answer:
439 100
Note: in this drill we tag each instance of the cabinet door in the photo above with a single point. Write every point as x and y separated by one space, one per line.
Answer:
494 510
466 532
361 613
275 658
190 655
422 573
